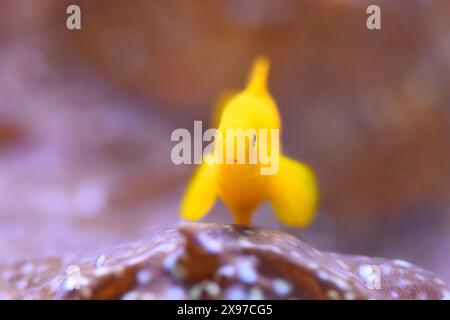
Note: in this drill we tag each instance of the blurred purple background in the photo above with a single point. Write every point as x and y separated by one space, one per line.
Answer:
86 117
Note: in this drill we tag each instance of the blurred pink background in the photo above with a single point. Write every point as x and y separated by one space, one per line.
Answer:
86 118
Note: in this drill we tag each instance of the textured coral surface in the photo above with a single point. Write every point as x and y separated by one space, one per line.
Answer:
207 261
86 118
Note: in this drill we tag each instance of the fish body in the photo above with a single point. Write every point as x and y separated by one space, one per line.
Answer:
291 190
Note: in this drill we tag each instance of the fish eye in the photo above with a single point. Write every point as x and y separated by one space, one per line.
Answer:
254 139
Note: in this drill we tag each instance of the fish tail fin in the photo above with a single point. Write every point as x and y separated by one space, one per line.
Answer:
257 83
201 193
243 219
241 215
293 193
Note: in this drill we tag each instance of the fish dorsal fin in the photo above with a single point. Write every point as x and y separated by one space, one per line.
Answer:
257 83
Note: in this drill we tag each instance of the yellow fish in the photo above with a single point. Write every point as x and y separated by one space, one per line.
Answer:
291 190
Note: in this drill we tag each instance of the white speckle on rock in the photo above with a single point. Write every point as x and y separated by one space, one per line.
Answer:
292 241
386 269
144 276
136 295
99 272
349 295
170 261
207 286
281 287
119 271
84 281
264 234
100 261
27 268
323 275
255 293
246 271
42 268
209 244
394 294
342 284
245 243
275 249
235 293
333 294
134 260
227 271
5 297
70 284
402 263
446 295
21 284
342 264
74 279
403 282
419 277
368 274
167 247
312 265
196 291
211 288
227 228
7 275
131 295
174 293
422 296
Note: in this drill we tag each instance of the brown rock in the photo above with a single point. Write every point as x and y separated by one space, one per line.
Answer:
206 261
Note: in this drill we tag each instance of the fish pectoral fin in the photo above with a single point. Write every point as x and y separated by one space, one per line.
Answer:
201 193
293 193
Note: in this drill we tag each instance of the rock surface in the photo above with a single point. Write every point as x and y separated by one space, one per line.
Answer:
207 261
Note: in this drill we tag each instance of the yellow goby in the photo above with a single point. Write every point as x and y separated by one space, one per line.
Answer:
292 190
